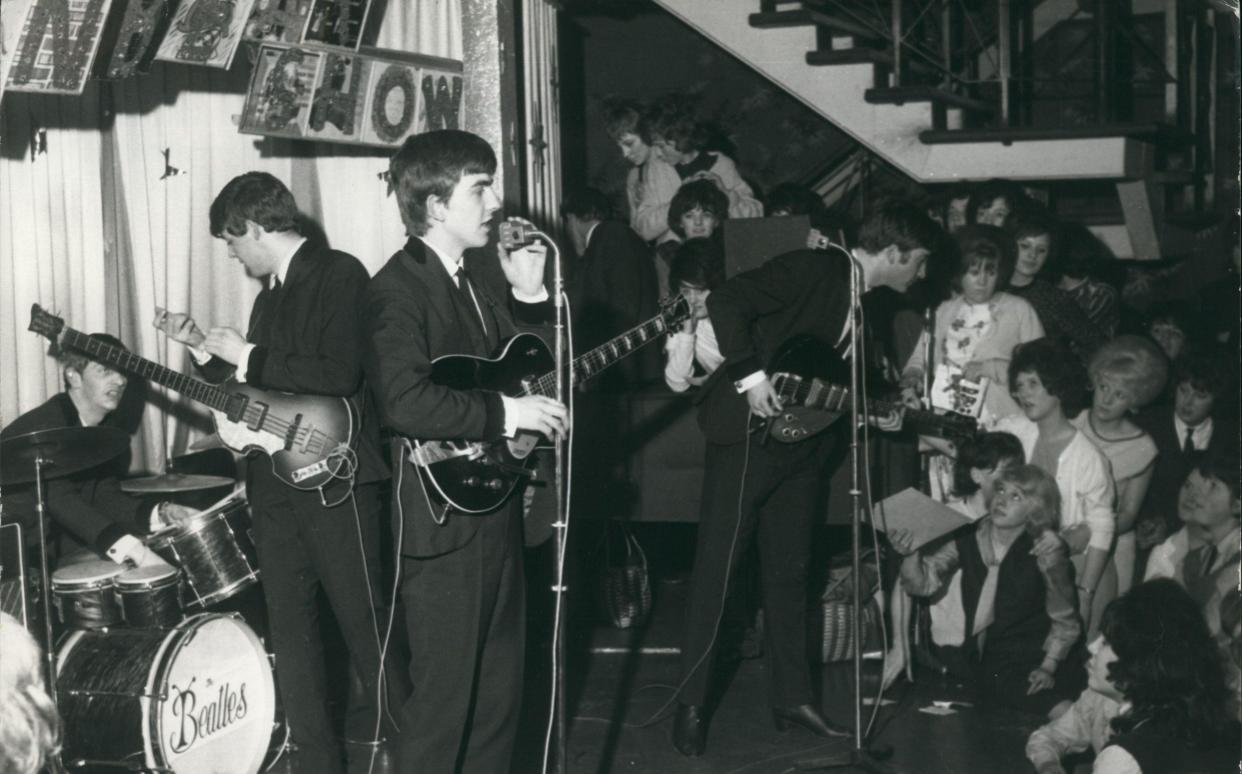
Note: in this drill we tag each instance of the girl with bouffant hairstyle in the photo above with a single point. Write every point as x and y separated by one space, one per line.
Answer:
29 725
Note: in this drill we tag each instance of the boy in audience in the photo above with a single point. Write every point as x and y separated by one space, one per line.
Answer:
1197 421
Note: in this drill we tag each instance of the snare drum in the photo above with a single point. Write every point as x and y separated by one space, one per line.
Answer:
197 699
215 553
150 596
84 595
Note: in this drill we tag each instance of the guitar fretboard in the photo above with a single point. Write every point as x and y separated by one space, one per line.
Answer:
591 363
104 352
815 393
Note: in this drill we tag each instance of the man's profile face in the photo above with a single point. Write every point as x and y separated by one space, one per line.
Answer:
466 216
245 249
909 266
100 387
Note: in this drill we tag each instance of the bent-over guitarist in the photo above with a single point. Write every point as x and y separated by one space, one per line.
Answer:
462 582
305 337
771 491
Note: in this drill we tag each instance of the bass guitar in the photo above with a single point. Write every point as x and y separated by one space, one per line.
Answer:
309 438
478 476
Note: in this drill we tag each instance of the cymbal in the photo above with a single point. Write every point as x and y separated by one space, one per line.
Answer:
174 482
65 451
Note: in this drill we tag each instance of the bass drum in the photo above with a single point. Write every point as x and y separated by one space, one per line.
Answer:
196 699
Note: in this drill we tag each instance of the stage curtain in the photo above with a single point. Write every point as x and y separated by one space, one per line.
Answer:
52 249
103 227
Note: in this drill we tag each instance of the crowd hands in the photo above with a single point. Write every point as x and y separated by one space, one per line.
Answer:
1108 452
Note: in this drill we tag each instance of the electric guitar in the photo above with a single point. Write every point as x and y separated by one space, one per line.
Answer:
808 376
807 373
478 476
308 437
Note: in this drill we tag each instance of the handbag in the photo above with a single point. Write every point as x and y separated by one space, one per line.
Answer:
627 586
838 609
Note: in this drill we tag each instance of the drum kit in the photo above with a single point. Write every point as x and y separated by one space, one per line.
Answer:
147 677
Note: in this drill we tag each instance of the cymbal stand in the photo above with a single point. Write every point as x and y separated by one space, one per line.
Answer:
54 763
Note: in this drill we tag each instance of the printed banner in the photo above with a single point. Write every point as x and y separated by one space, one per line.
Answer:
337 23
205 32
56 46
278 21
378 98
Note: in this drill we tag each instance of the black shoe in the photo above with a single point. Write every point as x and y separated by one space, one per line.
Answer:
690 730
809 718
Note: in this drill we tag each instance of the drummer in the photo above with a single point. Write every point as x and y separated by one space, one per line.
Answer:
93 516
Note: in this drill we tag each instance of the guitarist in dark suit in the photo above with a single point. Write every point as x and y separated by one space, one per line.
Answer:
305 337
462 583
756 487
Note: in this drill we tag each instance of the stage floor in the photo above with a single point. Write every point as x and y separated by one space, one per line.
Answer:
619 680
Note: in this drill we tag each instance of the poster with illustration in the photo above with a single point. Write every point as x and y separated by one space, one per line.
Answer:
277 21
205 32
339 103
278 102
337 23
441 92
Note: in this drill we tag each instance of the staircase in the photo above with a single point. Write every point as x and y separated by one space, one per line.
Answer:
846 69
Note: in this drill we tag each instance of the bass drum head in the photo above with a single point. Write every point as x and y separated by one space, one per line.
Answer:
220 699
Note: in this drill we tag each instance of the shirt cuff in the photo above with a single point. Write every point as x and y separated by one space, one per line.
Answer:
746 382
123 548
537 298
510 405
154 522
200 356
243 363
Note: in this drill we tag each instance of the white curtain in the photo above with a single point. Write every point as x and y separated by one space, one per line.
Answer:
542 156
103 227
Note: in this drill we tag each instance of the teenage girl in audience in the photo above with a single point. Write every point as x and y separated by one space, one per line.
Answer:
678 139
1033 234
1050 385
29 726
651 182
1021 625
696 212
1157 656
1126 374
993 203
977 329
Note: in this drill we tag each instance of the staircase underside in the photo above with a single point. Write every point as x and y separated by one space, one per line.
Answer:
896 131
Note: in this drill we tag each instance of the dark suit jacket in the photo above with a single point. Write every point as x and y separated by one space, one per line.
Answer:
1172 466
800 292
614 288
309 339
416 314
89 506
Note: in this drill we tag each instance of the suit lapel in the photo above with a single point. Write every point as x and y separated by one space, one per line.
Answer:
444 296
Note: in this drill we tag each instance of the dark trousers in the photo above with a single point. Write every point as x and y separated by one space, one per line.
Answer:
303 548
466 616
772 492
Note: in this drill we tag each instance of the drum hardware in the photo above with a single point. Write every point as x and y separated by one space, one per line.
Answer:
65 450
174 482
124 694
82 763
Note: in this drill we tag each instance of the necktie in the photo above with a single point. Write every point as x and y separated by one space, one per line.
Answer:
1188 446
465 286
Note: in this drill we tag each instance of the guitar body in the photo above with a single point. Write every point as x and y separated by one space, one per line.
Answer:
319 426
808 357
480 477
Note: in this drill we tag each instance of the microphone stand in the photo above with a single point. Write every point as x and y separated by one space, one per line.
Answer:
525 229
562 517
858 756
